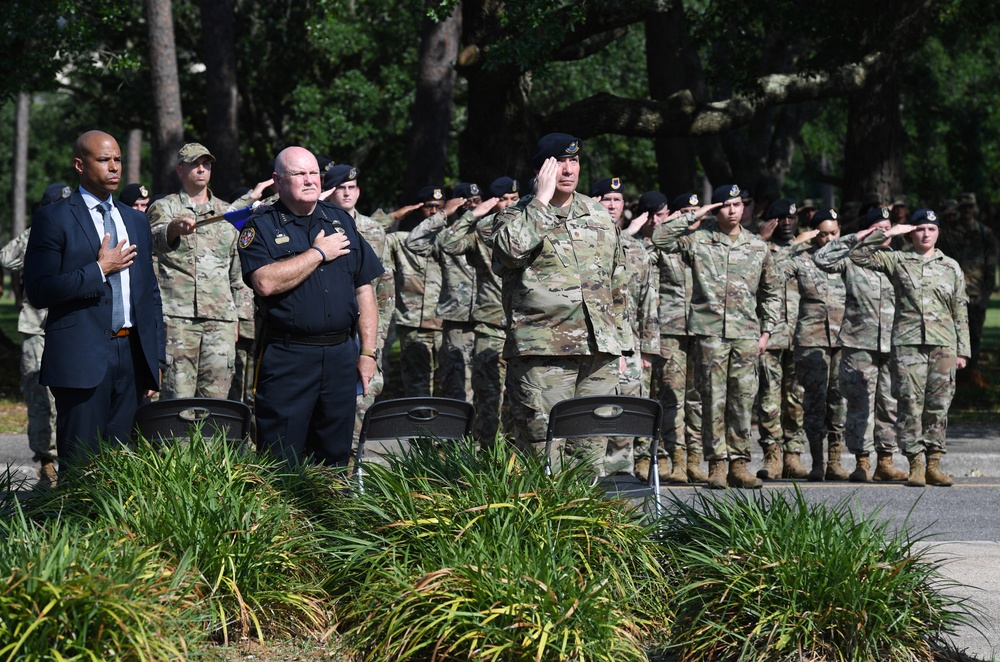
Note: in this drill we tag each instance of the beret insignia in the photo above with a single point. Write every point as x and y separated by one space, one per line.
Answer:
573 147
438 194
885 212
513 187
791 209
474 189
693 200
353 174
616 183
833 214
931 216
734 191
143 193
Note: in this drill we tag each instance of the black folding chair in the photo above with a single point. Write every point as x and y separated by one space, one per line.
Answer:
609 416
166 420
405 419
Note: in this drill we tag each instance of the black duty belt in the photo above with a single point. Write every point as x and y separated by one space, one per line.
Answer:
321 340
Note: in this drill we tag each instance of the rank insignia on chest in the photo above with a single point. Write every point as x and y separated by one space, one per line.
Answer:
246 237
281 238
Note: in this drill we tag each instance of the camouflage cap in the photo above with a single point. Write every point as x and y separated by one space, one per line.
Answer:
782 208
809 204
951 204
192 152
556 145
651 201
924 217
966 199
899 201
689 199
338 174
502 186
465 190
54 193
133 192
605 186
724 193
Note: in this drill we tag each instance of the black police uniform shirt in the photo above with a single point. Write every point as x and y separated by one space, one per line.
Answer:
325 302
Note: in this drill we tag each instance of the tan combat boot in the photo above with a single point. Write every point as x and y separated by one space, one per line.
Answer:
47 473
641 469
695 474
885 471
818 470
917 477
663 468
716 474
861 467
678 460
934 475
772 463
740 477
793 467
834 470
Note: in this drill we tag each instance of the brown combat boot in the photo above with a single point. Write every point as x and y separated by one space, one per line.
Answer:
641 470
917 477
817 473
663 468
678 460
834 470
739 476
716 474
772 463
934 475
793 467
885 471
695 474
861 467
47 473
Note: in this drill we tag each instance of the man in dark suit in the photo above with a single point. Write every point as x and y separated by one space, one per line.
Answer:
89 261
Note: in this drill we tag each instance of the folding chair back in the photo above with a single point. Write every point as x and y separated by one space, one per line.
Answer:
165 420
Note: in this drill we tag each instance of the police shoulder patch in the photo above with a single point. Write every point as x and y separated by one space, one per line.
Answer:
247 236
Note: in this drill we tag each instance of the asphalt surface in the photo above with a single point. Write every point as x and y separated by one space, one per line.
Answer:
959 525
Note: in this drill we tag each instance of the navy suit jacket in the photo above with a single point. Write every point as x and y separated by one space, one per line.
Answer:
61 273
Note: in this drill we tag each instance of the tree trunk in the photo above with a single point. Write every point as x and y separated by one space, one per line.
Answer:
873 148
219 54
168 120
427 154
19 179
133 157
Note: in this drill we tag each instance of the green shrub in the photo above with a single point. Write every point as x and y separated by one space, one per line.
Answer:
76 594
456 554
763 577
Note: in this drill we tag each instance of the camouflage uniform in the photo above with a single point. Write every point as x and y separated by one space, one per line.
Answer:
197 275
418 286
728 274
473 238
564 295
974 247
780 419
817 356
31 326
242 387
454 307
864 338
930 331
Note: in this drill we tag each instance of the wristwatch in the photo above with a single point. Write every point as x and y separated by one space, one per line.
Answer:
373 353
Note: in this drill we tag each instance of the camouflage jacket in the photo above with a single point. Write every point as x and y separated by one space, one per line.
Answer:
473 238
199 272
673 286
821 301
974 247
418 284
30 320
870 302
643 303
728 274
385 285
458 276
930 294
784 330
564 279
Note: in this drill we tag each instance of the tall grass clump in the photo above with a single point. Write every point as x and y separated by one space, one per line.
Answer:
766 577
450 553
254 552
71 593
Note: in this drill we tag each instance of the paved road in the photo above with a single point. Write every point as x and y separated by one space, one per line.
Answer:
960 524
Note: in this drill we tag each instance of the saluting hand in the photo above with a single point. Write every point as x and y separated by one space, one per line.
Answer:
115 258
333 245
545 180
485 207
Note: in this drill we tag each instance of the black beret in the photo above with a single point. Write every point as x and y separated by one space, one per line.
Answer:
55 193
727 192
782 208
686 200
324 163
651 201
501 186
605 186
873 216
133 192
465 190
557 145
428 193
339 174
824 215
924 217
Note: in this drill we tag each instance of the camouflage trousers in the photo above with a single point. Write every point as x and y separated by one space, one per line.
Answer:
201 357
781 418
489 372
38 398
633 380
418 351
363 403
243 372
977 318
866 384
727 374
673 384
817 370
536 383
458 341
923 381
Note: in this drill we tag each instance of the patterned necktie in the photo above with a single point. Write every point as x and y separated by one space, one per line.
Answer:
115 279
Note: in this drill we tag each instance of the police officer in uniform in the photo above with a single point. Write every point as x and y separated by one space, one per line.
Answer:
311 272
